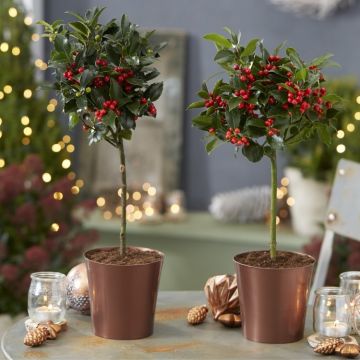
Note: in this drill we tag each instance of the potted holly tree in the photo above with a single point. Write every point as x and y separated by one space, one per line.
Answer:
103 75
268 102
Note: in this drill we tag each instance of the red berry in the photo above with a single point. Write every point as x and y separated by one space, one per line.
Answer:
247 71
242 78
269 122
143 101
271 100
241 106
236 67
237 131
128 88
328 104
251 77
211 130
119 69
268 67
81 69
322 91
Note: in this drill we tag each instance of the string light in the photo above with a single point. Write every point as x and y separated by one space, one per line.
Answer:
28 20
15 51
138 215
50 108
27 131
66 163
130 208
175 208
4 47
136 195
107 215
100 201
58 195
25 141
35 37
152 191
8 89
55 227
340 134
2 95
357 115
75 190
46 177
71 176
13 12
62 144
146 186
66 139
53 102
118 210
79 183
2 163
56 148
0 120
1 134
27 94
284 181
25 120
350 127
38 62
358 99
290 201
277 220
43 66
341 148
279 194
149 211
70 148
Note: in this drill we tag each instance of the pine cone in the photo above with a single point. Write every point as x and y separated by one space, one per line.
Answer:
197 315
36 337
328 346
51 333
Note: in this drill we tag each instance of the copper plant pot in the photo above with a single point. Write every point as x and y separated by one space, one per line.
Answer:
273 302
123 298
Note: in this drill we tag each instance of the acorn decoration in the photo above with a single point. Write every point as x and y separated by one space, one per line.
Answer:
350 351
328 346
230 320
77 289
36 337
197 315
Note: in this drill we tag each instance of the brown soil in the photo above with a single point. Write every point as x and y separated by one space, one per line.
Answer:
284 259
133 256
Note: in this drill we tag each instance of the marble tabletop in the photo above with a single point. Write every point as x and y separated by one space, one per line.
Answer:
173 338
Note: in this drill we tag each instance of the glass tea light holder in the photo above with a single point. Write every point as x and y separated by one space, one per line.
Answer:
350 285
332 312
47 297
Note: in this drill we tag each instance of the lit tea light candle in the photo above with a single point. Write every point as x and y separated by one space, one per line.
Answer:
46 313
335 329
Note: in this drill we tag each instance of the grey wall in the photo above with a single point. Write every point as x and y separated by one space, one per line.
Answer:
202 175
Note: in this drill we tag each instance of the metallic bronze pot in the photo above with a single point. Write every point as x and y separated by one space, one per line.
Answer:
273 302
123 298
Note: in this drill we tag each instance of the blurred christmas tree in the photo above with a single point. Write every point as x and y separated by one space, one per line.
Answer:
27 121
40 223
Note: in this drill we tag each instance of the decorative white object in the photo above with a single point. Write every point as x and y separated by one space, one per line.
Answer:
244 205
319 9
342 218
310 202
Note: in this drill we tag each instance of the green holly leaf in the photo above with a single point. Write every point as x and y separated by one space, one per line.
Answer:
212 145
253 152
73 120
219 40
250 48
197 104
203 122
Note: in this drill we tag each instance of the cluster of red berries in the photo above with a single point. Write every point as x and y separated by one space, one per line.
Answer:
152 110
303 97
108 105
101 62
100 81
234 136
216 101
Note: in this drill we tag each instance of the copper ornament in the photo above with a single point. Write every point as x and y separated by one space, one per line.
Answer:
222 295
230 320
77 290
350 351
